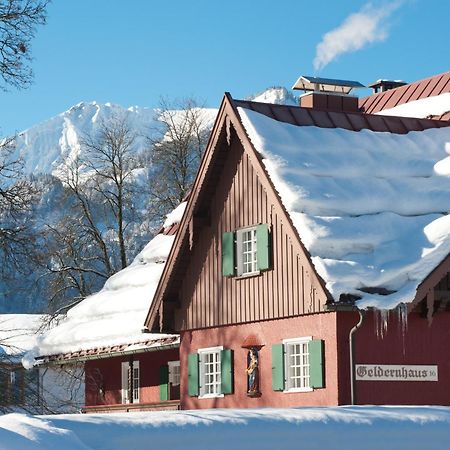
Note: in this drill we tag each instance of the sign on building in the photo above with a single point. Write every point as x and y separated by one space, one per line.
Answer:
376 372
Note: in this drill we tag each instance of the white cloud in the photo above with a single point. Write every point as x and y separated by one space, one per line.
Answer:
358 29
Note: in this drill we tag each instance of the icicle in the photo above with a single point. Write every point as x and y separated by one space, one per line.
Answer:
376 319
402 314
384 315
381 317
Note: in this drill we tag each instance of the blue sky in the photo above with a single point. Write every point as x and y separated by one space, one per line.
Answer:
133 52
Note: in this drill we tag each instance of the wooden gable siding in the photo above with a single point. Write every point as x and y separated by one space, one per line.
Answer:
206 298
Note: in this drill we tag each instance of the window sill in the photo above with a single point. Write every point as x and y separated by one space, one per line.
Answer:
296 390
200 397
247 275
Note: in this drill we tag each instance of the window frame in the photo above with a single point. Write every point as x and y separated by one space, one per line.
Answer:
136 389
172 365
202 352
287 377
239 242
125 388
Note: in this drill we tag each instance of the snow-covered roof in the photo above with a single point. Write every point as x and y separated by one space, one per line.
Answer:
115 315
370 207
18 333
424 107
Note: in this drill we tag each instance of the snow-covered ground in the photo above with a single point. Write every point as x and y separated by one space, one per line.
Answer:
339 428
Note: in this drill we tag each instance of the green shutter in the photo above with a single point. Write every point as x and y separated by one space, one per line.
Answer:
278 367
226 364
316 364
228 254
262 241
193 387
164 383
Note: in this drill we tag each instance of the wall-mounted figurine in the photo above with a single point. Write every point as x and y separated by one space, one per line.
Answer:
253 373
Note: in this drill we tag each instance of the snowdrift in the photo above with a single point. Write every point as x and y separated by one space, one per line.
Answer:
349 428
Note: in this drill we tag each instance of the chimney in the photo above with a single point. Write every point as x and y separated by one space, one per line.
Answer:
328 94
386 85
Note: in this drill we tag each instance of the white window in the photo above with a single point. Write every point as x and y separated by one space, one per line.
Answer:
125 382
297 364
174 373
246 251
210 372
136 382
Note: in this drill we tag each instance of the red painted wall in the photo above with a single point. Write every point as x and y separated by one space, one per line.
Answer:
107 372
420 344
319 326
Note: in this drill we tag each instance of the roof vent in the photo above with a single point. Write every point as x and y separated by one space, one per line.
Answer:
386 85
327 93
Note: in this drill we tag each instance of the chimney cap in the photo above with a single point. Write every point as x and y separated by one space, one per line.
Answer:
383 85
328 85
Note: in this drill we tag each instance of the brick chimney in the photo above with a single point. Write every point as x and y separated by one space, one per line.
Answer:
327 94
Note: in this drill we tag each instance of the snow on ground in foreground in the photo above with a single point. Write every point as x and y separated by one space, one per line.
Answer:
346 428
371 208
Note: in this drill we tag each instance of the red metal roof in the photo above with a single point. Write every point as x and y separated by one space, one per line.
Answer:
99 352
429 87
299 116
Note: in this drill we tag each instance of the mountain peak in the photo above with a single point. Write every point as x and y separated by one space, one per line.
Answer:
277 94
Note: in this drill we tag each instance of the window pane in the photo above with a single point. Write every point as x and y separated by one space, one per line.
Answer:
297 365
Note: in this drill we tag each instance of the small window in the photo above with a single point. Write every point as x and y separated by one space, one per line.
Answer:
125 382
247 251
136 382
174 373
210 372
297 365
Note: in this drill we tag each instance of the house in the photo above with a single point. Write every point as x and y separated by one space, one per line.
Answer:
124 367
38 390
311 266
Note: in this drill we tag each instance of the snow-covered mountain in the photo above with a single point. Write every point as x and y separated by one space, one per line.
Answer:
277 95
45 148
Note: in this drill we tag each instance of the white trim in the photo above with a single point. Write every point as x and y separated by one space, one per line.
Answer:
299 339
294 390
136 389
125 392
211 396
124 382
288 342
208 351
239 252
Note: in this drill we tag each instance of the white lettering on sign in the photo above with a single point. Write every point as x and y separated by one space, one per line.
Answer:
375 372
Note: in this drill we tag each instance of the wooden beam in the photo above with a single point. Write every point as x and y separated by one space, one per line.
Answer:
430 306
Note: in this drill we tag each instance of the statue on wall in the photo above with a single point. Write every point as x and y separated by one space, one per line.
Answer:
253 372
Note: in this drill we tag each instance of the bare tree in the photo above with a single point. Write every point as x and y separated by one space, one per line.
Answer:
18 22
16 198
84 249
178 143
110 157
